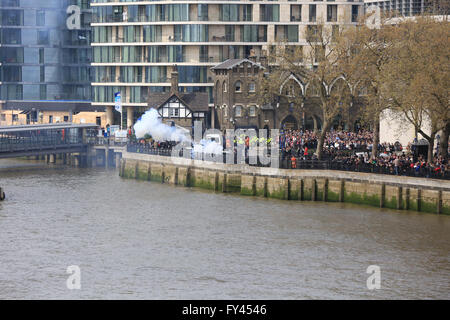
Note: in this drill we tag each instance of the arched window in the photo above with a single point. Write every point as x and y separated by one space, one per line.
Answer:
224 86
290 90
314 90
238 111
251 87
238 86
217 91
225 110
362 91
252 111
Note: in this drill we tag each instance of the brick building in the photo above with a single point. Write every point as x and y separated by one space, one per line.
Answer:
236 100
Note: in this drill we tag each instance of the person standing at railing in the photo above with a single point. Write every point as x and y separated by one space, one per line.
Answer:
396 165
293 163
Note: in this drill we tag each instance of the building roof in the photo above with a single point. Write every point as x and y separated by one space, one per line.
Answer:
196 101
52 105
231 63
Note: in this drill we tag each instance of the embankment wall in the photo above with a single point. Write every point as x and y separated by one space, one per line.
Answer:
403 193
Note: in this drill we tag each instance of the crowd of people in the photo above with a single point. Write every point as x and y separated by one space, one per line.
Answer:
344 150
300 143
352 150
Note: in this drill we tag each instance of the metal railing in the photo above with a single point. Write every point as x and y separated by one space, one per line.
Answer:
110 141
37 142
147 149
404 170
286 163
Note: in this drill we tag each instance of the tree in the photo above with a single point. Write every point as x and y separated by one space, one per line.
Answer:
371 52
418 77
319 68
285 61
327 83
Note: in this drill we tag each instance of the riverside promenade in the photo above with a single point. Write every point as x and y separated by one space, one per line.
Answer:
385 191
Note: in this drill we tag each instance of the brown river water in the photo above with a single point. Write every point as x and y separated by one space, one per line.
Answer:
142 240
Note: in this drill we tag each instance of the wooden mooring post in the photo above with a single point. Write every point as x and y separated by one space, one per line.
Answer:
2 194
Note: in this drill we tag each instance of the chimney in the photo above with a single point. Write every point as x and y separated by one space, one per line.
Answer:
174 80
252 56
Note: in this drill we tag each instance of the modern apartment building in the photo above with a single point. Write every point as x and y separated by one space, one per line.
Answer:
136 44
409 8
45 66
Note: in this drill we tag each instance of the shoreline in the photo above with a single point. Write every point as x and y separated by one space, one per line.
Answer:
383 191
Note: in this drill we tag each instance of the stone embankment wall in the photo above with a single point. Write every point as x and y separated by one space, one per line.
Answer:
384 191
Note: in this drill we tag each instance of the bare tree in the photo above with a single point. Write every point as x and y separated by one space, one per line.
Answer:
320 69
418 80
371 52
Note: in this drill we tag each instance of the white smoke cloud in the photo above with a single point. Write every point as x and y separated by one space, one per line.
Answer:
212 147
151 124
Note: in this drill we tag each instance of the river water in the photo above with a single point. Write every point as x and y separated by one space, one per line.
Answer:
134 240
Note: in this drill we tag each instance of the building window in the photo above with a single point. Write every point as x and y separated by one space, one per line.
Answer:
229 12
204 56
237 86
173 112
229 33
362 91
225 110
43 91
43 37
314 90
10 3
335 32
11 36
291 33
12 74
224 86
252 111
238 111
251 87
202 12
312 13
269 12
312 33
247 10
354 13
296 12
12 17
40 18
290 90
332 13
66 118
50 119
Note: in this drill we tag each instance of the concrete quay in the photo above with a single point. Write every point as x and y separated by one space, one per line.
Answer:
385 191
